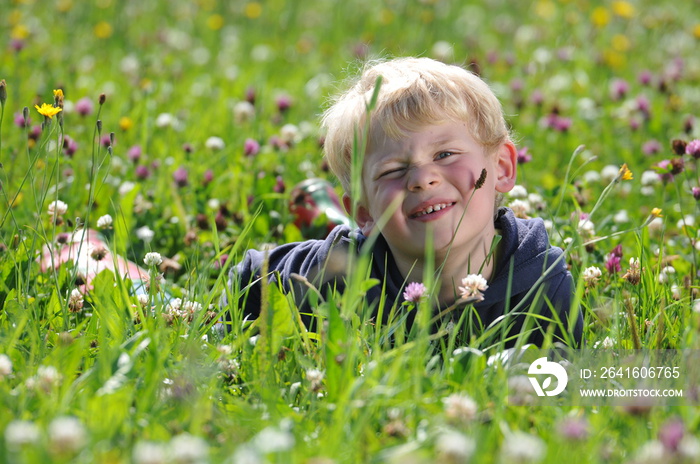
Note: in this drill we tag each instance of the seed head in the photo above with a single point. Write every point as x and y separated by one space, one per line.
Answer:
480 181
3 92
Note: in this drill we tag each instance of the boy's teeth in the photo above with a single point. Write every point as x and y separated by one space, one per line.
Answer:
433 208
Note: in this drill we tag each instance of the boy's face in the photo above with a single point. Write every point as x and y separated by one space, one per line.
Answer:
425 180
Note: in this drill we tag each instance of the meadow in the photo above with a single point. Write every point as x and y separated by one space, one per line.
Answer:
184 127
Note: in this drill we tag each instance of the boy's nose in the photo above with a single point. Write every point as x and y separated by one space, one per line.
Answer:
422 178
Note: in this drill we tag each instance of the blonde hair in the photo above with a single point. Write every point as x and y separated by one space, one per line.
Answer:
413 92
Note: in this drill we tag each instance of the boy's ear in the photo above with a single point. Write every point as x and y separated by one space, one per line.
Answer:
507 164
362 216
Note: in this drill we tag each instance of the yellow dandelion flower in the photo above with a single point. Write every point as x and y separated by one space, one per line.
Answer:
656 212
19 32
600 16
125 123
621 43
623 9
696 31
103 30
58 93
625 173
545 9
47 110
253 10
215 22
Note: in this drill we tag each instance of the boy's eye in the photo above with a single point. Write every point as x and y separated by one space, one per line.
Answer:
390 172
444 154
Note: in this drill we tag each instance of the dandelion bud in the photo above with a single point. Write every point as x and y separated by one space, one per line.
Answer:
99 126
111 138
3 92
58 98
102 99
25 114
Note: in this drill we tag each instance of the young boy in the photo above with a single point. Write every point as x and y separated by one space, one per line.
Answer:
438 155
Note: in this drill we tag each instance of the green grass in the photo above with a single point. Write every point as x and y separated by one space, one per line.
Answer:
139 380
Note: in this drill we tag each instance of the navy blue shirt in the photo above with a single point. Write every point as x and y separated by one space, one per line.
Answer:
530 277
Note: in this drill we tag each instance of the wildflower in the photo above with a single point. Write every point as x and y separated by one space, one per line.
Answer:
165 120
48 111
243 111
612 263
618 89
141 172
585 226
20 433
472 287
696 193
180 176
290 134
443 51
273 439
215 143
84 106
69 146
414 292
75 301
279 185
146 452
521 208
251 147
21 121
666 273
671 434
104 222
591 275
624 173
693 148
145 233
609 173
460 408
5 366
152 259
606 343
518 191
651 451
524 156
679 147
454 446
574 429
134 153
522 447
67 434
315 378
57 208
284 102
634 273
125 123
188 449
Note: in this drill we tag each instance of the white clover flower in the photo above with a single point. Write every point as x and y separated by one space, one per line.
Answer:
591 177
314 375
460 407
247 454
290 134
609 173
164 120
67 434
666 274
472 287
75 300
621 217
126 187
651 452
443 51
455 446
145 233
57 208
518 191
689 448
586 227
607 343
19 433
5 366
591 275
687 221
104 222
191 307
656 225
650 178
152 259
522 447
273 440
215 143
47 377
521 208
243 111
188 449
148 452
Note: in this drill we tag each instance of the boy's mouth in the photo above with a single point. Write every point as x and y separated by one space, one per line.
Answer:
430 209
